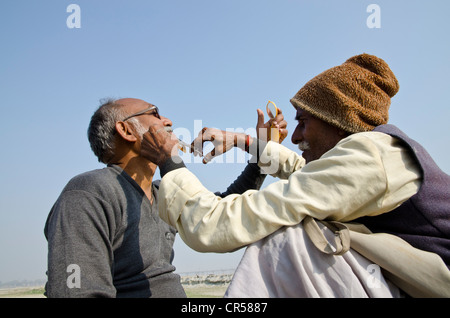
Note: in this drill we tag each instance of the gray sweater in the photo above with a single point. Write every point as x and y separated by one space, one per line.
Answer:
105 238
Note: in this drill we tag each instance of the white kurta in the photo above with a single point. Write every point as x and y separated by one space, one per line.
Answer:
365 174
287 264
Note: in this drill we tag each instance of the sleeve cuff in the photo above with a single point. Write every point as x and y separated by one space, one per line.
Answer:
170 165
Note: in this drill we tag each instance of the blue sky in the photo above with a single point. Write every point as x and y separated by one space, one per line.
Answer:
209 62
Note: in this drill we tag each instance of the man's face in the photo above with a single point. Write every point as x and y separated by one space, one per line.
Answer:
136 108
314 136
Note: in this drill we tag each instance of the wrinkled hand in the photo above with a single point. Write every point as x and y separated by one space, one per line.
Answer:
158 145
274 128
222 141
225 140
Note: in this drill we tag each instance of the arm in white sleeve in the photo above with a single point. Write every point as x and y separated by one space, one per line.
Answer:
279 161
347 182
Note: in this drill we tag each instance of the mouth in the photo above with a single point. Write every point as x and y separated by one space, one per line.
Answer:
183 145
168 129
303 146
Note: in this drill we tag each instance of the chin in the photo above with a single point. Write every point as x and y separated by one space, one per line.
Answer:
305 156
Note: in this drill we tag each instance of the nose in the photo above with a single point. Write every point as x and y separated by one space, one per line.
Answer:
296 136
166 121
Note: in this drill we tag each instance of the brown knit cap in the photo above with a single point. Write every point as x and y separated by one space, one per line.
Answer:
354 96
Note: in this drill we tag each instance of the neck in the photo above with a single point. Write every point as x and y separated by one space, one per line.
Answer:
141 171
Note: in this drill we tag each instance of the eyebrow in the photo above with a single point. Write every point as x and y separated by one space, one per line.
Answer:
299 116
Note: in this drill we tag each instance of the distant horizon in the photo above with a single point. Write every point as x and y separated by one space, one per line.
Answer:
42 281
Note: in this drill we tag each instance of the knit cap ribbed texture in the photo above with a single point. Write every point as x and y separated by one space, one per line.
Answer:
354 96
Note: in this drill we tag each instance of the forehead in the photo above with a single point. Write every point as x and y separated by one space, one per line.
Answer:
302 113
133 104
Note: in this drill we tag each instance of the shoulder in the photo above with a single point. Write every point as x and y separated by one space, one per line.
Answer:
366 151
88 176
387 145
92 180
394 155
373 141
102 184
87 194
370 136
371 144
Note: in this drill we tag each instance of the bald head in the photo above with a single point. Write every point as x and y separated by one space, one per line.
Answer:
132 105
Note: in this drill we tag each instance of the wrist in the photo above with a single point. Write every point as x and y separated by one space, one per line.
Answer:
170 164
242 141
248 140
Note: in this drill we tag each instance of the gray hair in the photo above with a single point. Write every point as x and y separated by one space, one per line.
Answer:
102 127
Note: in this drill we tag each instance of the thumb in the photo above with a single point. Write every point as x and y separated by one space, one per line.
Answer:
260 122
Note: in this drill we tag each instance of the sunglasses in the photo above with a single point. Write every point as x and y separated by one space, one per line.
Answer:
154 109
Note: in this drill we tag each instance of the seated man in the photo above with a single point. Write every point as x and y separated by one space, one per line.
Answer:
354 168
105 237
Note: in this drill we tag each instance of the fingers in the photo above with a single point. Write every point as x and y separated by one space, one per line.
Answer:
282 126
222 141
279 120
212 154
158 145
203 136
208 157
155 133
197 145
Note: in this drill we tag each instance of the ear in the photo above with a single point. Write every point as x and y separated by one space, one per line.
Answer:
125 132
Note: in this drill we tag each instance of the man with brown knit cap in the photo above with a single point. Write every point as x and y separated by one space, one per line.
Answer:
354 168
